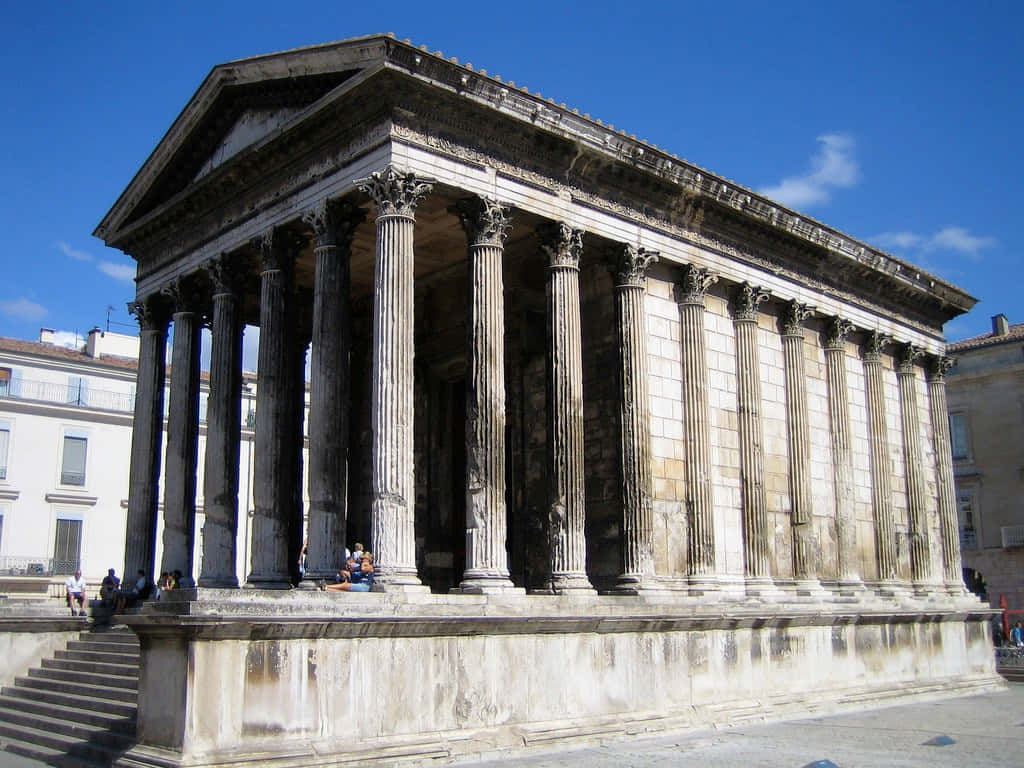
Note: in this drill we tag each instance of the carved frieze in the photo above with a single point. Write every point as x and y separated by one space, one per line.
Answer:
395 192
485 221
745 301
793 315
633 265
562 244
693 288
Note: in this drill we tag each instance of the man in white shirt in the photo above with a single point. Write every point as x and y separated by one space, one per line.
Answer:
75 587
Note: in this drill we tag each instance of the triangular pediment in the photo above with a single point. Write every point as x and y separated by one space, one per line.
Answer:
239 105
251 126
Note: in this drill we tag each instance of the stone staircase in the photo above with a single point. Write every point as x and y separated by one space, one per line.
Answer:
77 710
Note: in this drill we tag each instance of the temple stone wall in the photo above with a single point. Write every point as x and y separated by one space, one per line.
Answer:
776 448
861 452
823 492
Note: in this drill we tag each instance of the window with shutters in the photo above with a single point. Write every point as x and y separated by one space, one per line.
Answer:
958 435
72 468
5 382
67 546
5 444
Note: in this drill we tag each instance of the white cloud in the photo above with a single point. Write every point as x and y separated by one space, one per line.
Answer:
69 339
23 309
832 167
117 271
955 239
74 253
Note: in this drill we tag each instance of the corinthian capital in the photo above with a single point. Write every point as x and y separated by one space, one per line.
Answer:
874 346
562 244
938 366
793 315
907 356
633 264
485 221
183 295
150 312
396 193
334 222
693 288
836 331
278 249
745 301
224 274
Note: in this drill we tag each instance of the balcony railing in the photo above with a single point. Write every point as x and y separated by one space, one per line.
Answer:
49 392
28 565
1013 536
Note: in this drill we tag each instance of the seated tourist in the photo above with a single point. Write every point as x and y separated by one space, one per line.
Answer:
343 582
74 592
362 578
140 590
109 586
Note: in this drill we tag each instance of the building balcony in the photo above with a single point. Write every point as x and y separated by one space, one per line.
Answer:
49 392
1013 536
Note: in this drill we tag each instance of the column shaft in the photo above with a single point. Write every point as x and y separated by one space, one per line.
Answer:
805 554
756 545
147 440
920 560
223 435
948 522
182 439
703 563
269 556
486 224
842 452
334 225
638 568
881 477
393 506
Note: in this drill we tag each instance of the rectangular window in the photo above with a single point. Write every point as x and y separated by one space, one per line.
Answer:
67 547
5 442
958 435
72 470
968 533
5 382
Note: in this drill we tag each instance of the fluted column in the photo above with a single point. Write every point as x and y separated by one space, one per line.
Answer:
223 430
486 224
881 472
703 563
920 560
396 195
638 573
756 543
334 225
271 499
147 438
949 524
182 433
842 453
805 549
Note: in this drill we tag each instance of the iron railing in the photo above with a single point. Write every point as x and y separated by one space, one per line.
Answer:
50 392
1013 536
30 565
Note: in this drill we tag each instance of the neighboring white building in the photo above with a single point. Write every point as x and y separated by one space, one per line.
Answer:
65 444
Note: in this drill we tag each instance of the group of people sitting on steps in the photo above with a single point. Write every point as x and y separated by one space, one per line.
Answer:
357 573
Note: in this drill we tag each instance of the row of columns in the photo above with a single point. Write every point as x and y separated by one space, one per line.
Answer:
486 223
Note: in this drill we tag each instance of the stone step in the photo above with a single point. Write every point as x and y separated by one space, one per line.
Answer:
88 753
101 646
88 678
100 657
54 757
94 667
85 712
78 689
111 707
57 725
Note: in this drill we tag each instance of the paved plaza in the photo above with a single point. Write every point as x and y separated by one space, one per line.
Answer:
966 732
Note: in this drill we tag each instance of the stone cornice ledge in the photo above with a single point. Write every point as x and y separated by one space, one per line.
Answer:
219 617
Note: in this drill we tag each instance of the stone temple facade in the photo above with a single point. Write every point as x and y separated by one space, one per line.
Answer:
616 429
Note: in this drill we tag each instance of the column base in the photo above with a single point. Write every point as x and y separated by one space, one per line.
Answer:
762 587
566 584
637 584
850 588
252 583
891 589
487 587
215 582
809 588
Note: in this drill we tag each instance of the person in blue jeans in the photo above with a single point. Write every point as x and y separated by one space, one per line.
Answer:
354 578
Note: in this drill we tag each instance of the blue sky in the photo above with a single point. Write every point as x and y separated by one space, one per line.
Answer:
895 122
